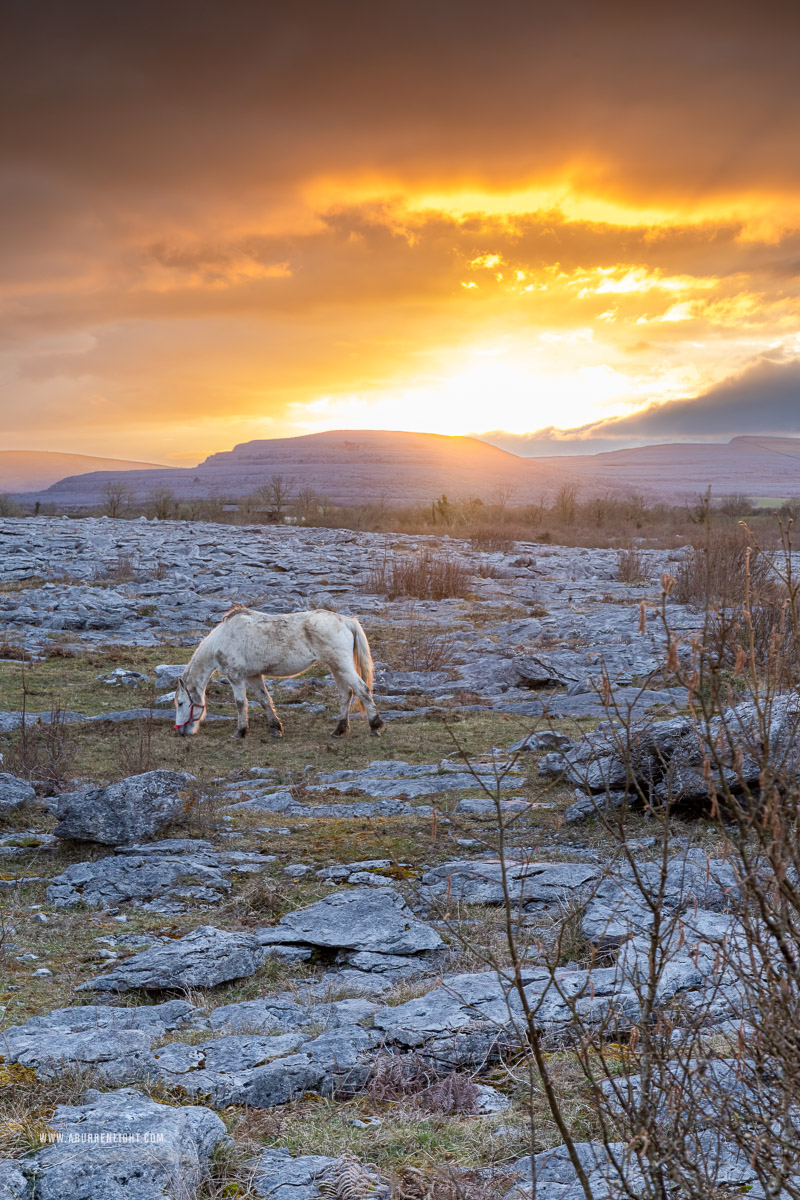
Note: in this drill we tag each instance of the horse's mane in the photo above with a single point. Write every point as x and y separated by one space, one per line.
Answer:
237 608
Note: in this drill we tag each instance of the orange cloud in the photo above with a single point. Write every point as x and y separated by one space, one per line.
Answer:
227 221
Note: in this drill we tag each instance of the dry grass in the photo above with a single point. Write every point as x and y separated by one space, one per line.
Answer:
632 567
44 751
428 575
413 644
498 538
715 570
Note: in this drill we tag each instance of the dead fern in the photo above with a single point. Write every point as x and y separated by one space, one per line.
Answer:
349 1179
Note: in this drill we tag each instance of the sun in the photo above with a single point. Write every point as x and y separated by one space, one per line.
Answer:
485 388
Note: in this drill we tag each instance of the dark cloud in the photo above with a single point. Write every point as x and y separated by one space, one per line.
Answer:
763 400
697 96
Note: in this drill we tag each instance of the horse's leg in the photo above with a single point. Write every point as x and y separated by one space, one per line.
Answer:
347 677
265 700
345 696
240 696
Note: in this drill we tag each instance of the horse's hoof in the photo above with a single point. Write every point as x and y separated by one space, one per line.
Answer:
276 733
376 727
240 733
337 733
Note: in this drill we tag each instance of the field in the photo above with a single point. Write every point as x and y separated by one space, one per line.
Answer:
416 1056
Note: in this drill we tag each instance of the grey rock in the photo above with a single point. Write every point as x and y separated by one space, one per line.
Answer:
123 1146
112 1044
539 671
120 677
14 792
161 883
281 1014
204 958
133 808
533 884
154 1019
280 1177
115 1057
280 801
221 1069
619 907
13 1184
545 739
363 919
169 673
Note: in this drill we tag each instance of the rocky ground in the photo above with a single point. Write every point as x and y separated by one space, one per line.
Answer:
280 969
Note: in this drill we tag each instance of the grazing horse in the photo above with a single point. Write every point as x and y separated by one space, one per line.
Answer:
248 645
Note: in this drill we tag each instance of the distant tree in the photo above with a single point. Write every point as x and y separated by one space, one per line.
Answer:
790 510
116 498
736 506
161 503
566 503
307 504
274 495
443 509
700 512
471 509
9 507
503 495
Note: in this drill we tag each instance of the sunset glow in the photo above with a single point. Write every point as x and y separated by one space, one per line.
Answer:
225 253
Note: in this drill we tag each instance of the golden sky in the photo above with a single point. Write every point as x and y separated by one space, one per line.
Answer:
228 220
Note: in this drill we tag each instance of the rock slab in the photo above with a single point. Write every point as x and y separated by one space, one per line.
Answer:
133 808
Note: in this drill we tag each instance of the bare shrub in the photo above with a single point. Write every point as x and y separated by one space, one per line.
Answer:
493 538
721 568
201 816
9 506
57 651
414 645
121 569
428 575
135 752
15 653
161 504
632 567
44 750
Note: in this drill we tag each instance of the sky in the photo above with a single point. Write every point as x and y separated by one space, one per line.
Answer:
563 227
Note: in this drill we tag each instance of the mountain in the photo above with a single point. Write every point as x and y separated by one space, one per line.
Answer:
34 470
370 466
349 466
672 471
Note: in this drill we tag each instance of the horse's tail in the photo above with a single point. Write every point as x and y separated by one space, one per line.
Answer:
362 655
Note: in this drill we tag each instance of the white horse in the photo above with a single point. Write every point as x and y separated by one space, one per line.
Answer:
248 645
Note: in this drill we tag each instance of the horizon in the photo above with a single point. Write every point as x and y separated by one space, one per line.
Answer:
565 449
560 234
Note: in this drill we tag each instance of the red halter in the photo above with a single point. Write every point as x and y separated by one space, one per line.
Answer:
193 705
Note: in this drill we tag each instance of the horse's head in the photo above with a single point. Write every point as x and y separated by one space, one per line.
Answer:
189 711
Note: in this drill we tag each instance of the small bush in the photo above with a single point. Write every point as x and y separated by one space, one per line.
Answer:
122 569
427 576
715 571
416 646
493 538
44 751
15 653
631 567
